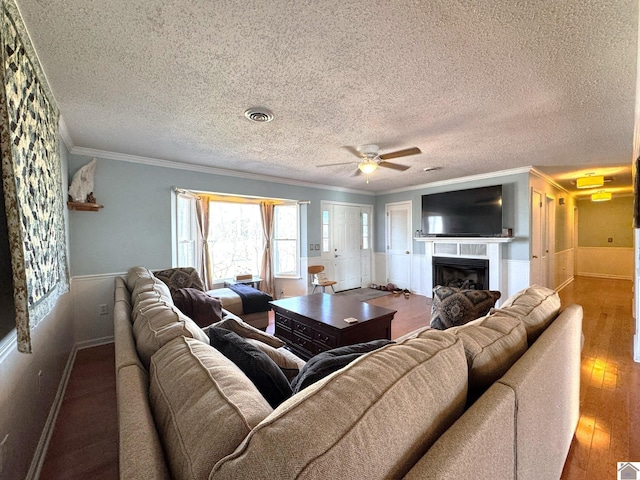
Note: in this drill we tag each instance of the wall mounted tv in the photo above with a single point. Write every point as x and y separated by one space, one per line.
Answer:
476 212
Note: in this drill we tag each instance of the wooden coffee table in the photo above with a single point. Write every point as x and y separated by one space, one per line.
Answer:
314 323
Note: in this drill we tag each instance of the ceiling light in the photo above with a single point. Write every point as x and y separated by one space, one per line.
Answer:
601 196
258 114
368 166
590 181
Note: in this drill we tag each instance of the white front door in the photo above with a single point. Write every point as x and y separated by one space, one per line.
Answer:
399 244
345 246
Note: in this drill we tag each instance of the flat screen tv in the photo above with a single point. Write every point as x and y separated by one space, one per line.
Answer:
476 212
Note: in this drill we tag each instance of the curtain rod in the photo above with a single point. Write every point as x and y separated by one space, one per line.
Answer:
195 194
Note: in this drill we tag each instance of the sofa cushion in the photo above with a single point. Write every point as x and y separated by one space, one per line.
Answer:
261 370
237 325
203 405
151 284
180 277
289 363
491 346
454 306
136 273
198 306
409 392
157 325
535 306
325 363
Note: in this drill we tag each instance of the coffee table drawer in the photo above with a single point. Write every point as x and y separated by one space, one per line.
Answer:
302 329
282 321
305 344
326 339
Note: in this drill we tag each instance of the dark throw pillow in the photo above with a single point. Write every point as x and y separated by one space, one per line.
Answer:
198 306
452 306
325 363
256 365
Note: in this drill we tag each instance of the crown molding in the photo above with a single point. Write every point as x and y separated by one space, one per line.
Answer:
65 135
453 181
123 157
548 179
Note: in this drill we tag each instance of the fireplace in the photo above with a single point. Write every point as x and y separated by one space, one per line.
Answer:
468 273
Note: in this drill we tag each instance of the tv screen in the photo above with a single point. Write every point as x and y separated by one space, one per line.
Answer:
476 212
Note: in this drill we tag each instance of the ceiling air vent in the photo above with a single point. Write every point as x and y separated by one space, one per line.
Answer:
258 114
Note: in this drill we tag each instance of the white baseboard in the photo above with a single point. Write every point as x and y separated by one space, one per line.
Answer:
604 275
94 342
45 437
567 282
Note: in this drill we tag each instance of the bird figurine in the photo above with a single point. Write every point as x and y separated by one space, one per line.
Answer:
81 188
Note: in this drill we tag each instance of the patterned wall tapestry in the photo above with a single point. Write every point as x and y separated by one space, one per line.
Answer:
31 175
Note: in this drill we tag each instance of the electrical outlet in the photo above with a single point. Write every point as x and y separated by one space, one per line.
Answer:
103 309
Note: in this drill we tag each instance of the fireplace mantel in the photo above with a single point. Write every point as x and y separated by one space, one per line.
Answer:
469 247
464 239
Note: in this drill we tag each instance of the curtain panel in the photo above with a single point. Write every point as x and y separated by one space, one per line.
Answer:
266 273
32 179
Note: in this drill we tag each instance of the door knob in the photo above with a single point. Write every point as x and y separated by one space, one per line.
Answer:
407 252
535 256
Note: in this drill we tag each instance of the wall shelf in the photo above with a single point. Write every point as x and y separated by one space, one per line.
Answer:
84 207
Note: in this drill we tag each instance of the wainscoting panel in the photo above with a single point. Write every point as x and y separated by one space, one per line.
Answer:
564 268
88 293
606 262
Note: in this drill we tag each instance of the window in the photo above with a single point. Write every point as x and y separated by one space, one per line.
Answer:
285 241
186 230
235 239
325 230
235 236
365 230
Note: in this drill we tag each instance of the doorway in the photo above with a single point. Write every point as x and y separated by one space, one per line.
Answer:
399 243
346 253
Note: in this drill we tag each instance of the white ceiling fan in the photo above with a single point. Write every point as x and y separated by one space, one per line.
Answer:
371 159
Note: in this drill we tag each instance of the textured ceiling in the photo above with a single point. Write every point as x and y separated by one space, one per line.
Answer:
478 86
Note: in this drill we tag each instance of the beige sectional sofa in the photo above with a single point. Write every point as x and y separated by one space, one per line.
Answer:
496 398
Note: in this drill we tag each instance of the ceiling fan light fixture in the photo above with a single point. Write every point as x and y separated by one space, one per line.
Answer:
601 196
590 181
368 166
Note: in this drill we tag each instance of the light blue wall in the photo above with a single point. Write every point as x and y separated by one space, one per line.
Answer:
515 211
134 227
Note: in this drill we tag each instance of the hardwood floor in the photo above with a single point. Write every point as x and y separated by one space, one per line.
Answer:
609 426
84 441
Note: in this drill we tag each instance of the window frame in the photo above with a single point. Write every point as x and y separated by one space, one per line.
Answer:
274 240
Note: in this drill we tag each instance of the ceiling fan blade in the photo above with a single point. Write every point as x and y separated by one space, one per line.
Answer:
356 173
334 164
400 153
394 166
352 151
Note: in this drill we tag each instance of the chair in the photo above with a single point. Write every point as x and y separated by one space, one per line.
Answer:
320 278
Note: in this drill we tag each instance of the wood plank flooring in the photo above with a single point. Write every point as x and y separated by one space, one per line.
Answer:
609 426
84 441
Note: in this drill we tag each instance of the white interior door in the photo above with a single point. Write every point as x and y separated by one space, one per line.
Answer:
345 246
399 244
538 240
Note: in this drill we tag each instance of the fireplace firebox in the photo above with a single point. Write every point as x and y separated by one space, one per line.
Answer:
467 273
